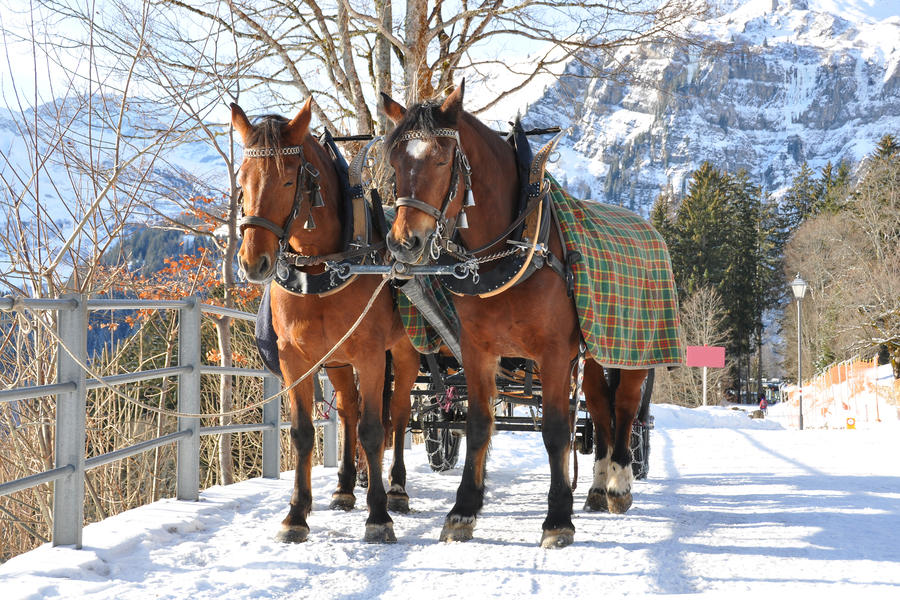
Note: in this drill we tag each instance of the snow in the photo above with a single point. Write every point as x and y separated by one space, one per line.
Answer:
731 506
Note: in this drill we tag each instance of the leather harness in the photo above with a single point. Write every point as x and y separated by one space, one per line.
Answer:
358 247
523 257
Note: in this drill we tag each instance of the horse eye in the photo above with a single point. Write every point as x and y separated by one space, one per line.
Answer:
288 183
441 164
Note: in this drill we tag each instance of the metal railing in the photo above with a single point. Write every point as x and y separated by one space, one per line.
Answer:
72 384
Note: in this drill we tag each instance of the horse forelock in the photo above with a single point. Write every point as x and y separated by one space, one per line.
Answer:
425 117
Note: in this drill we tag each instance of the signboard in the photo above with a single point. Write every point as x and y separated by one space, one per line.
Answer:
706 356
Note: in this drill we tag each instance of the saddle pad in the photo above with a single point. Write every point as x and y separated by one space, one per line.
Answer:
624 289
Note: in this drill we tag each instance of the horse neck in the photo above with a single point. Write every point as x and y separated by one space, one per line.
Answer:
495 182
325 238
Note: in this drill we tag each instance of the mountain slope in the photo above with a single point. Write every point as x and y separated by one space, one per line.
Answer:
766 85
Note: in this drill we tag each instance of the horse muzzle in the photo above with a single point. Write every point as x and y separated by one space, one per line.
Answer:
410 251
258 271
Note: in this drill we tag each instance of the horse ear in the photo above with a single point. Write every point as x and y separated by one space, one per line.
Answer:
298 127
240 122
393 110
452 106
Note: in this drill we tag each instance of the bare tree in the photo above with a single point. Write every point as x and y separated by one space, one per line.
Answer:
702 324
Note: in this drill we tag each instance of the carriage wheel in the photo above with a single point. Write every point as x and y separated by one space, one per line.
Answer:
441 443
640 432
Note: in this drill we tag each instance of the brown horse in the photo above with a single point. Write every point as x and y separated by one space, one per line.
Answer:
439 152
287 179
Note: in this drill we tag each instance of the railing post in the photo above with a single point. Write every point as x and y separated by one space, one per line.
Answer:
271 437
68 492
324 393
187 484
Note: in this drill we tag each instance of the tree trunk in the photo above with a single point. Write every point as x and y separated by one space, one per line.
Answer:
416 72
384 9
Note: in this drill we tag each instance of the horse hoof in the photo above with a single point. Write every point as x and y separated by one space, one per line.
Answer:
619 503
458 529
362 479
398 502
596 501
342 501
557 538
296 534
380 534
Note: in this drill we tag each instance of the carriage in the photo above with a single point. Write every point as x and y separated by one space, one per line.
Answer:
439 411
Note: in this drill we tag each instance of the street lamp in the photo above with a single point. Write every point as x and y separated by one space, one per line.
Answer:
799 287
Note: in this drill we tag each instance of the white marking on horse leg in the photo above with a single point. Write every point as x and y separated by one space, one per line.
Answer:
396 488
418 148
600 469
619 479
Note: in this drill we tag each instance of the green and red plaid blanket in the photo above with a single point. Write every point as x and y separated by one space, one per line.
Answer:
422 335
624 290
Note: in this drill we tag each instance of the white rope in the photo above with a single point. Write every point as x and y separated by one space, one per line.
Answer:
174 413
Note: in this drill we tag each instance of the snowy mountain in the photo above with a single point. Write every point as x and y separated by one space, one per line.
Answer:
764 86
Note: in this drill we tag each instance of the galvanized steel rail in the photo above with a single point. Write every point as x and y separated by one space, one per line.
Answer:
71 389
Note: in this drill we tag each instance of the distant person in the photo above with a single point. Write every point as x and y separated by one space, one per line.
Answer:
763 405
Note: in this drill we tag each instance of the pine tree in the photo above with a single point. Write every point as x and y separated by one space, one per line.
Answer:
802 199
887 147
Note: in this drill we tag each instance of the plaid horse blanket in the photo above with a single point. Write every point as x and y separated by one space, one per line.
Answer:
624 290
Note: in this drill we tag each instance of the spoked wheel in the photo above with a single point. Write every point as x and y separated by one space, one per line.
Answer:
640 432
441 443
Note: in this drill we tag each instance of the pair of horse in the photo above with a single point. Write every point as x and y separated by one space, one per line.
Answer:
435 149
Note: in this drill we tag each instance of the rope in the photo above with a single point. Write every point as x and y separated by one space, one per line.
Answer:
237 411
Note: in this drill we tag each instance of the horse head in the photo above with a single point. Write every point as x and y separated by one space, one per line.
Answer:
430 173
280 185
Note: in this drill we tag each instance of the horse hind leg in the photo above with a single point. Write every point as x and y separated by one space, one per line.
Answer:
379 526
621 476
598 394
348 408
406 369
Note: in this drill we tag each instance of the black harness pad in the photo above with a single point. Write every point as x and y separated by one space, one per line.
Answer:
266 338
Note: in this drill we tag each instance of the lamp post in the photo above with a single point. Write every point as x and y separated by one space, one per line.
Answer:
799 287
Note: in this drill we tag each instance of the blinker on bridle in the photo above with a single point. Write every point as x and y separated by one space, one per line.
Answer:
460 162
306 174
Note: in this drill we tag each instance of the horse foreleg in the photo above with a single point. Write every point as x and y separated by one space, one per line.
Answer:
344 384
558 530
379 526
406 369
294 528
627 403
598 396
481 388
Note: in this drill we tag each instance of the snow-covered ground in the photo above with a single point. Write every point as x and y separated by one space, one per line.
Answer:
732 505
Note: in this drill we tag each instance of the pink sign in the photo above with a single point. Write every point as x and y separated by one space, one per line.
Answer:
706 356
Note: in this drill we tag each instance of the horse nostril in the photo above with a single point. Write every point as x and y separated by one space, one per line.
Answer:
410 243
264 264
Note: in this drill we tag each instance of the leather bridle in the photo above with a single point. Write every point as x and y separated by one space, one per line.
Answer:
445 226
307 181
